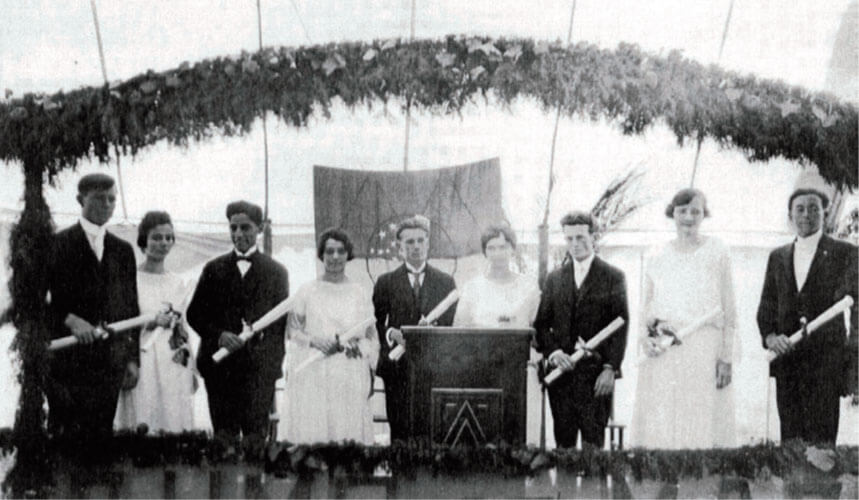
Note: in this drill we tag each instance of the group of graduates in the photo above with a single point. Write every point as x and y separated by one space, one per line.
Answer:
683 397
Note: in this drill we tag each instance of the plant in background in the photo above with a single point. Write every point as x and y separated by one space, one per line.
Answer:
848 228
619 200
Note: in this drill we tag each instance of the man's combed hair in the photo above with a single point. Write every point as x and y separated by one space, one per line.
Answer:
824 200
94 182
253 211
580 218
416 222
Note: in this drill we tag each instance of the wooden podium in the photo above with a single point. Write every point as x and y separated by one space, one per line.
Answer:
467 385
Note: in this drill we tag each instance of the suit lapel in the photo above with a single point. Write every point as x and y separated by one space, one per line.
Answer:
589 280
569 280
251 279
426 291
821 255
82 241
788 268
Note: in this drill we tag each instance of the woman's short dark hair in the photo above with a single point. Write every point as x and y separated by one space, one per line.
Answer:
495 231
336 234
685 197
149 222
580 218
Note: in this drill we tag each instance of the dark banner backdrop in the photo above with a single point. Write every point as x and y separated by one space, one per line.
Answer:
459 201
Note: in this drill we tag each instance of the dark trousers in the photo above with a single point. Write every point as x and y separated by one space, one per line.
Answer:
81 411
808 407
575 409
397 405
240 406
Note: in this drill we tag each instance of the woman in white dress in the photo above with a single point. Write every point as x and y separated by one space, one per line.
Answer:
684 397
328 399
163 397
503 298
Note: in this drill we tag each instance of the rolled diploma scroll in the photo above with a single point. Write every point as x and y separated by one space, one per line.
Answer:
118 326
592 343
827 315
666 341
274 314
353 332
442 307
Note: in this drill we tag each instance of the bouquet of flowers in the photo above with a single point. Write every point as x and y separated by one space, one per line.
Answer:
660 336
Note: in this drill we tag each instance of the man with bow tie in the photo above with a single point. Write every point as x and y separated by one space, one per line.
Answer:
402 297
802 280
93 280
237 289
580 299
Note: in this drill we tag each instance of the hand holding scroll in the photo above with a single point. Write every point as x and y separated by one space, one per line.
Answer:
354 333
807 329
591 344
84 333
433 316
274 314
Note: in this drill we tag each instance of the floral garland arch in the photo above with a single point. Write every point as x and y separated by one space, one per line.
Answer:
223 96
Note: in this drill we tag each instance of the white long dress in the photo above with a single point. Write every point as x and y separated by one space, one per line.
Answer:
677 405
329 400
488 304
164 395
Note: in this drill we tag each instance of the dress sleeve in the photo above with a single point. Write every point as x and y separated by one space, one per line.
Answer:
369 344
465 307
296 322
729 308
532 302
647 296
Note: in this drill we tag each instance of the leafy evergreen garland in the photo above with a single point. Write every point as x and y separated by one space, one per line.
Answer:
749 462
763 118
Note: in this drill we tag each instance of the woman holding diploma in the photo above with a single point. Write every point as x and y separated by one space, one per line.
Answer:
328 399
684 397
503 298
163 397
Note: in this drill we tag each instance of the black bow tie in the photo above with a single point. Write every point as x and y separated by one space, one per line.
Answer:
240 258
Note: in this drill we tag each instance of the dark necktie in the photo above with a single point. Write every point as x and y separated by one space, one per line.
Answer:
416 288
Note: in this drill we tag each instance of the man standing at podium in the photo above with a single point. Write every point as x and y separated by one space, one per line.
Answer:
580 299
400 298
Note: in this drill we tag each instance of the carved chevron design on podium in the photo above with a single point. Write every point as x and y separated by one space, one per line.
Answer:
466 416
465 420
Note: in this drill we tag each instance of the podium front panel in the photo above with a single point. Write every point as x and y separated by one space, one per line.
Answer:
467 385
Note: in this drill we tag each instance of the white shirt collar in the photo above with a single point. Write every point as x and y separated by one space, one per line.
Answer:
252 250
809 242
582 268
92 229
412 270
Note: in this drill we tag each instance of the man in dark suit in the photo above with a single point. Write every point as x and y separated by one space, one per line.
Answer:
402 297
93 280
802 280
580 299
236 288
